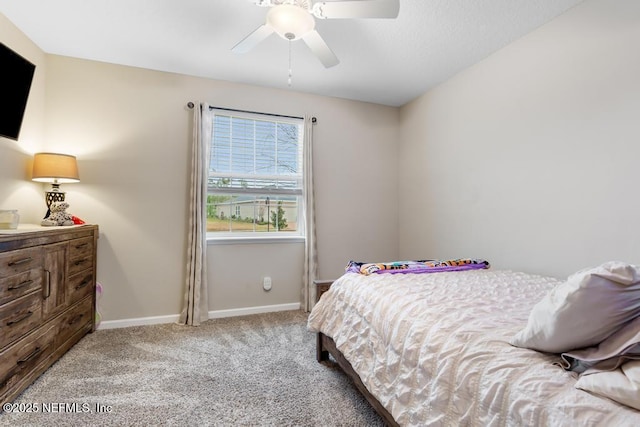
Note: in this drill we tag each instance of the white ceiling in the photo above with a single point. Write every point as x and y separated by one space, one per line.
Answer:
385 61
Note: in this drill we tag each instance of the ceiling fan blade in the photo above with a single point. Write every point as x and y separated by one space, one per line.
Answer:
357 9
253 39
316 43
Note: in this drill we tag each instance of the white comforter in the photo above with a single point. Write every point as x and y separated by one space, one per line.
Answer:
433 349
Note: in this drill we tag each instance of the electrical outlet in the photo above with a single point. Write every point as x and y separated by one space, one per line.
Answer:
266 283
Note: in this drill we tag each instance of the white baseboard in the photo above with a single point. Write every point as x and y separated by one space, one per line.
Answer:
215 314
140 321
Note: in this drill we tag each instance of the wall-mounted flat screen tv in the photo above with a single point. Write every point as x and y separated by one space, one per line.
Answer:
16 74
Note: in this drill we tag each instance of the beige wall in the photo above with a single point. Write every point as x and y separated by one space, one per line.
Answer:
16 189
530 158
129 128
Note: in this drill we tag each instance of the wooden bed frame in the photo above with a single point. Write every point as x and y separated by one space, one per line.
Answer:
325 346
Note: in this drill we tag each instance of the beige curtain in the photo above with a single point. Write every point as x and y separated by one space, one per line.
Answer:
195 304
310 251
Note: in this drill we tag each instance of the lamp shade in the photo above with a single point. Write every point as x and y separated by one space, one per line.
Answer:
54 167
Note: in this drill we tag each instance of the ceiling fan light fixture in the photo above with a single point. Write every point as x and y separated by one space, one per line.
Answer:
290 22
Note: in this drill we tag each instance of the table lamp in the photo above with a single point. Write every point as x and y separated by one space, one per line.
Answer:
56 169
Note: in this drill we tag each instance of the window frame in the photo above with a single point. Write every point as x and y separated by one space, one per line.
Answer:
253 236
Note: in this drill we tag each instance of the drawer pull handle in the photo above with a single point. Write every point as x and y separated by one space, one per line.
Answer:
47 285
35 353
20 285
81 245
82 261
75 319
20 319
20 261
83 284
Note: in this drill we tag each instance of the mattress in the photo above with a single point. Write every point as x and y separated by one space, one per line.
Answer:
433 349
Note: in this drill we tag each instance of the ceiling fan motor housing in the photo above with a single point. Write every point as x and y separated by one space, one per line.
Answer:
305 4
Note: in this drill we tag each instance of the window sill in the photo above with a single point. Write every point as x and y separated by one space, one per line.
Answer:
227 240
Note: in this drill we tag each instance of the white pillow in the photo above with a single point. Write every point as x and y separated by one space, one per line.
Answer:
622 345
583 311
621 385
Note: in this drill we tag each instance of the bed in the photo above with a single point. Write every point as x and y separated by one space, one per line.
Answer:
434 350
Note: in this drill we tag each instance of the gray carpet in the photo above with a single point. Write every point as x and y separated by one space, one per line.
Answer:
245 371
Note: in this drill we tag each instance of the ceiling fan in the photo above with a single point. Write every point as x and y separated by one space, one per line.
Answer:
294 20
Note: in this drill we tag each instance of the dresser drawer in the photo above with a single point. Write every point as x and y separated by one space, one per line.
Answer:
14 262
15 286
80 286
80 248
24 355
80 255
80 264
75 319
19 317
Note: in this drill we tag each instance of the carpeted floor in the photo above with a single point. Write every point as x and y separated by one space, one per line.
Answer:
255 370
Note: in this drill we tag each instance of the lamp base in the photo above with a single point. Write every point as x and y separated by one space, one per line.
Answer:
53 196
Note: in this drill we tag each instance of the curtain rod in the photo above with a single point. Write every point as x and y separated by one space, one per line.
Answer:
313 119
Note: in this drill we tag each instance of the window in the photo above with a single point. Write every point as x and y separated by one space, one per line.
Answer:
255 175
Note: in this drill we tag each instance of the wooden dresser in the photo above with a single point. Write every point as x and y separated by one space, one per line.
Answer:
47 299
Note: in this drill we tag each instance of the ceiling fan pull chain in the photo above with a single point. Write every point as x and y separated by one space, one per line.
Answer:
290 69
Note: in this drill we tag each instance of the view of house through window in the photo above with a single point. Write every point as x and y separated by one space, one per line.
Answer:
255 174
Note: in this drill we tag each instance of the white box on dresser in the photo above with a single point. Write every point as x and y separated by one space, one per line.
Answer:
47 299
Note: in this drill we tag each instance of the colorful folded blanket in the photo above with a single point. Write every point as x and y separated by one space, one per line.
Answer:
422 266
